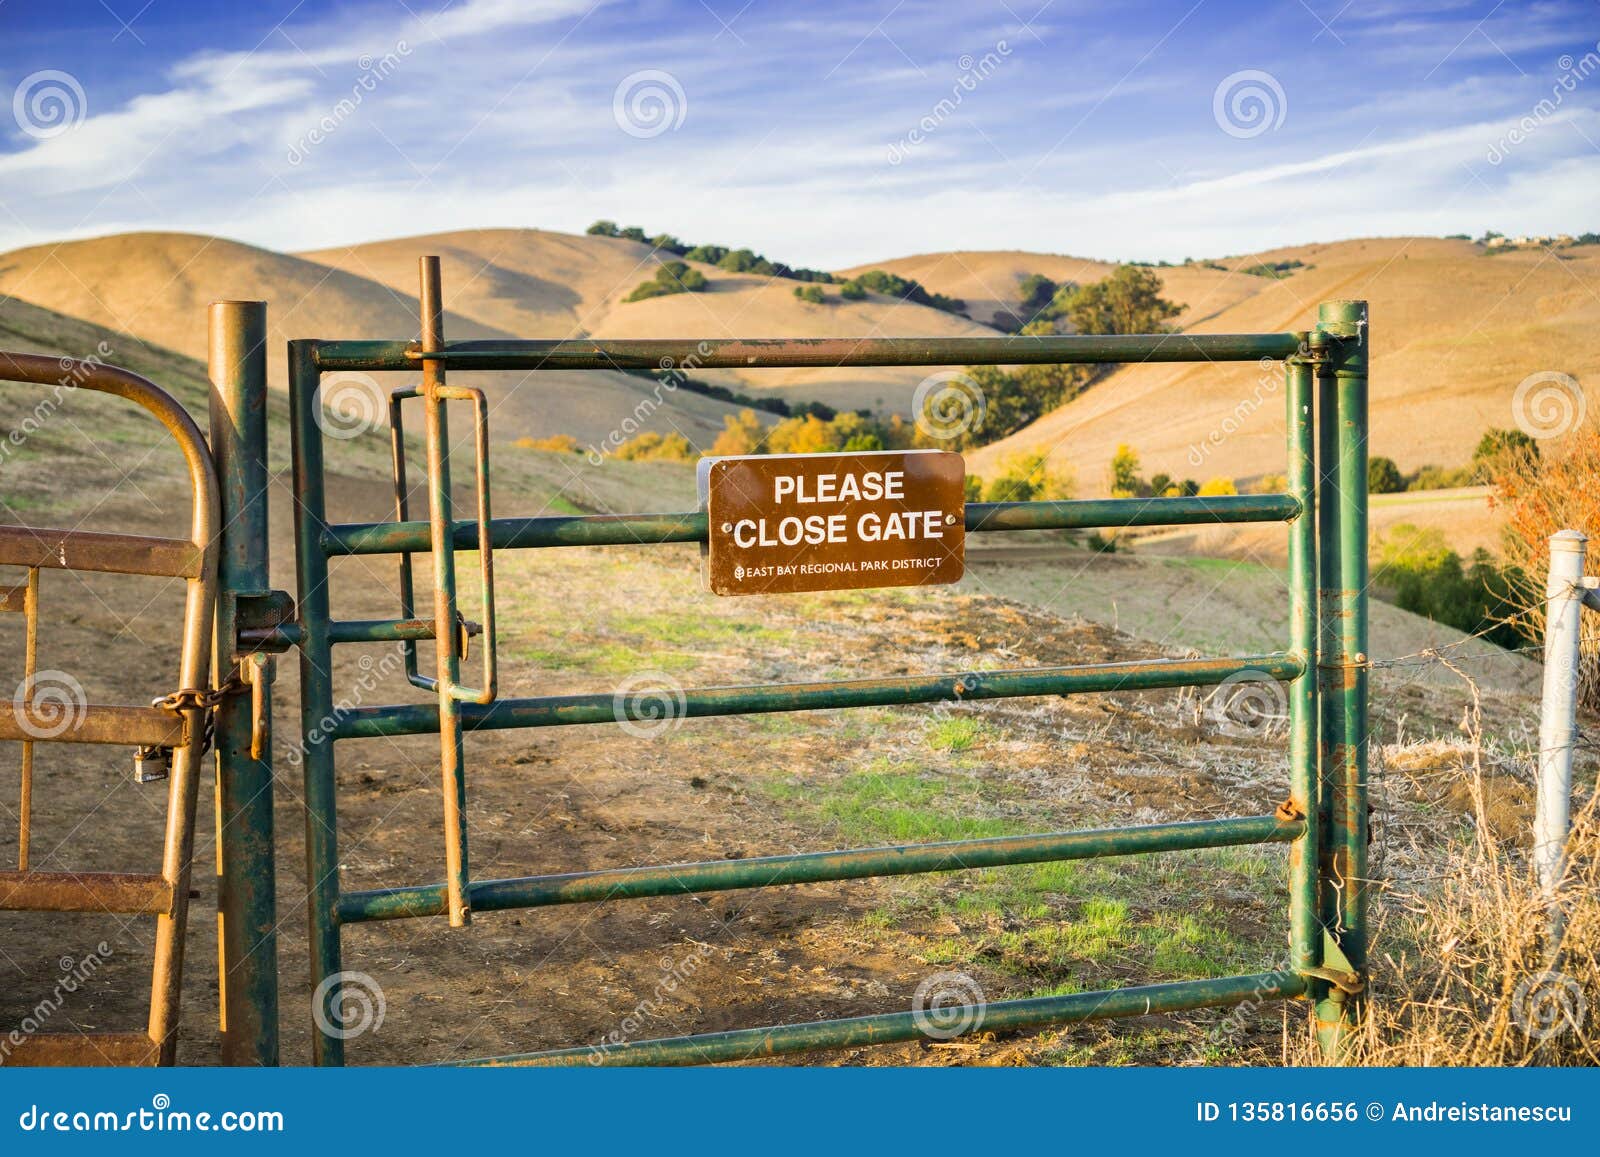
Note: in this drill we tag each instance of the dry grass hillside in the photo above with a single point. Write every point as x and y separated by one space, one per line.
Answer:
988 281
1454 333
154 288
536 284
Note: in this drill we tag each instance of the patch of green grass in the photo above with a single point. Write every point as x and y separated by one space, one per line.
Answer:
872 807
956 733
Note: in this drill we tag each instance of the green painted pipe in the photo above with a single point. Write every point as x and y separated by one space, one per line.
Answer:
247 865
662 706
689 355
316 704
690 526
892 1027
814 867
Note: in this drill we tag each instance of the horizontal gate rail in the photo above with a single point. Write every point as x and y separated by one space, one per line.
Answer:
561 710
789 353
95 550
890 1028
816 867
691 526
96 723
128 892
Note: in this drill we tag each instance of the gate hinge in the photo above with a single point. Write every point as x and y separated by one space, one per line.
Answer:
1337 969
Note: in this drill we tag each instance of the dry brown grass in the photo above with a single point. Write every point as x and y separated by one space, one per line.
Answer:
1467 970
1539 494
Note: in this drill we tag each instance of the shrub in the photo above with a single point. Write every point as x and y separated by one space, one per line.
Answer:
1383 476
671 277
1541 494
811 293
1216 486
1440 478
652 447
556 443
1027 478
741 433
1125 480
893 285
1417 571
1499 446
1128 301
852 291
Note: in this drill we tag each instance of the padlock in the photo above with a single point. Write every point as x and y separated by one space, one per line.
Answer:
151 764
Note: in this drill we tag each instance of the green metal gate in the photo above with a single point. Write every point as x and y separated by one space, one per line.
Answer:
1323 816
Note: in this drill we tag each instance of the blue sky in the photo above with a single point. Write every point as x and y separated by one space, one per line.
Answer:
820 133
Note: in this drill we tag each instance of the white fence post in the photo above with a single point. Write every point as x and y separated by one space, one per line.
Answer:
1558 729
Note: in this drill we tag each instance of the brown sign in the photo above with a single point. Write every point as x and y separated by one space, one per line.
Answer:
824 522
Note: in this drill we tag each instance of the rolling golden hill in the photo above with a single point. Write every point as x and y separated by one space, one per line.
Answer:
538 284
154 288
1455 331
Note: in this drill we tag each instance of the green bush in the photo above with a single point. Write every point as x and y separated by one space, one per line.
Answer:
811 293
852 291
1383 476
1418 572
1440 478
671 277
893 285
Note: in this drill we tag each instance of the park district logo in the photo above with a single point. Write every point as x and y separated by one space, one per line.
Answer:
818 522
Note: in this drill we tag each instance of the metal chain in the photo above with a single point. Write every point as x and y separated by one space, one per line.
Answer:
194 699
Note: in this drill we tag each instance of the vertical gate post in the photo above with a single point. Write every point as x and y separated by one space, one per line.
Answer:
1558 729
441 524
317 711
246 901
1343 334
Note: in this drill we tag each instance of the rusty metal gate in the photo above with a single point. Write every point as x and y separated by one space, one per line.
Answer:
170 734
1323 815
